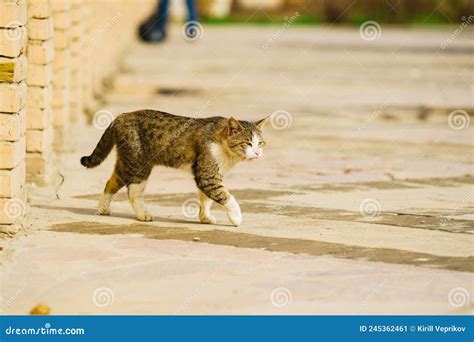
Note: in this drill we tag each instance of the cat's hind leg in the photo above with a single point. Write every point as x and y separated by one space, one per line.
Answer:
205 209
114 184
135 166
135 195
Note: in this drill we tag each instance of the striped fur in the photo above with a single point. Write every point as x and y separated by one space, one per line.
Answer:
209 147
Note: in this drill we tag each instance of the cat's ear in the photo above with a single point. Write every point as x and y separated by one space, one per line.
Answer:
261 123
233 125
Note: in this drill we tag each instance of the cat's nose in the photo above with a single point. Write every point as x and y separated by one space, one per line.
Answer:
258 152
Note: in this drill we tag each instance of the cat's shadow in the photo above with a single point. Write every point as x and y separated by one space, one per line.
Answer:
91 212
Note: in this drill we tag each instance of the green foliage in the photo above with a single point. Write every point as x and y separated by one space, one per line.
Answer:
277 20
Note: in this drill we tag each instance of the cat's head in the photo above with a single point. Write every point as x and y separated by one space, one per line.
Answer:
244 138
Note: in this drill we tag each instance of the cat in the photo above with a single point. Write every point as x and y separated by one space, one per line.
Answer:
209 147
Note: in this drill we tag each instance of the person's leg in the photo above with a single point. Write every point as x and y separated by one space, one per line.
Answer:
154 28
162 14
193 29
192 10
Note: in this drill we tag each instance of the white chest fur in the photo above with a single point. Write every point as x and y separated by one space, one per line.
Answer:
223 159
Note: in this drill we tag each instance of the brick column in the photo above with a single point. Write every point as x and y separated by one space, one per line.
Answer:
13 98
98 47
62 74
40 53
88 59
76 103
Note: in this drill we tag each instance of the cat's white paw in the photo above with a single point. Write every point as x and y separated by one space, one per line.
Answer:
207 219
233 212
104 204
145 216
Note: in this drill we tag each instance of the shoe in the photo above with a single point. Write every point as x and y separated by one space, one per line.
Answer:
152 31
154 36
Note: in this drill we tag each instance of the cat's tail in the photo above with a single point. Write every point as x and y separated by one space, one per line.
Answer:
102 150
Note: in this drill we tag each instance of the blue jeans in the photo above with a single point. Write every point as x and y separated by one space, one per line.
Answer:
162 12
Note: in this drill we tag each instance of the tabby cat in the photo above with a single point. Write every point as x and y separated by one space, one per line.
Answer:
209 147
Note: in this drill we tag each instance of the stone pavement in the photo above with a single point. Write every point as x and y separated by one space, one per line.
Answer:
363 203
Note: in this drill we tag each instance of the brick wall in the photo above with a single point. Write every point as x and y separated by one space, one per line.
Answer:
78 21
54 58
13 99
39 132
61 74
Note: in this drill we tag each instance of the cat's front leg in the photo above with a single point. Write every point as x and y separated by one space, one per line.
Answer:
219 194
209 181
223 197
205 209
233 211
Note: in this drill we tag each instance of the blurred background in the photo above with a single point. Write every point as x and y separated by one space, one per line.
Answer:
362 204
336 11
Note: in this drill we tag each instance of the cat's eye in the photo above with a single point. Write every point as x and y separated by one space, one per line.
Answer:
261 144
245 144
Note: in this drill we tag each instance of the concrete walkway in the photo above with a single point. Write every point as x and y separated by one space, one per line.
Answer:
362 205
